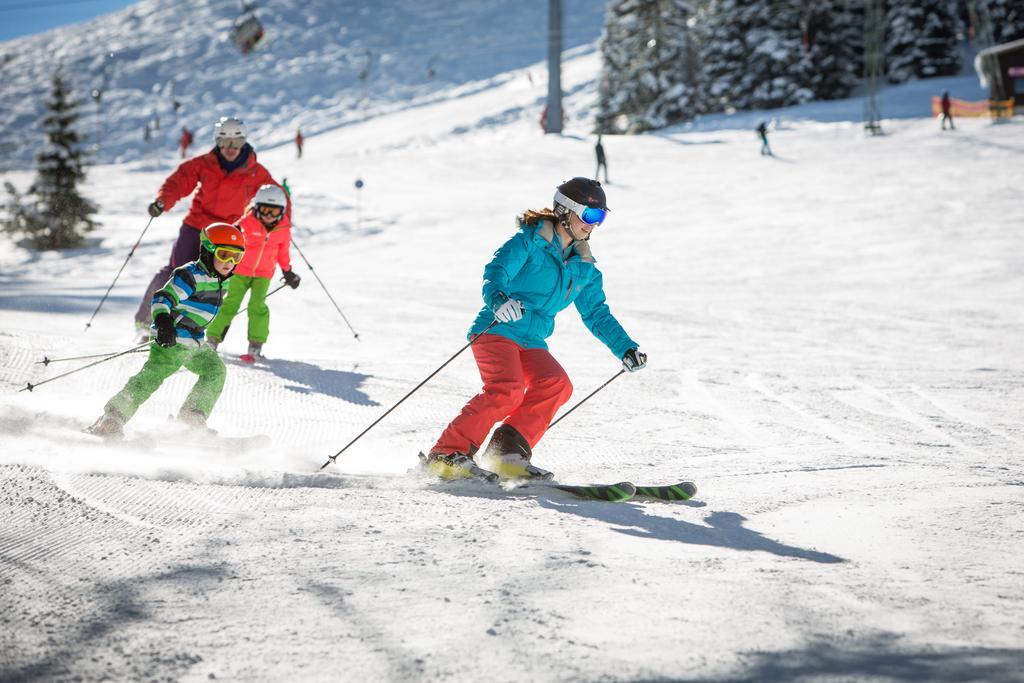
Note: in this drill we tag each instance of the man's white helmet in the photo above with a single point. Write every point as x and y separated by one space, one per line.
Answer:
271 195
228 127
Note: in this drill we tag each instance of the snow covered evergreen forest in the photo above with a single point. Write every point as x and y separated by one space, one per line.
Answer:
834 336
667 61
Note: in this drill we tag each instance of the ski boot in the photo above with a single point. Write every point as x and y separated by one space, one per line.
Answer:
508 455
196 421
110 427
255 353
212 342
454 466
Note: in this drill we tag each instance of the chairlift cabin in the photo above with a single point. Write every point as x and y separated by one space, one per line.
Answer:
247 32
1001 70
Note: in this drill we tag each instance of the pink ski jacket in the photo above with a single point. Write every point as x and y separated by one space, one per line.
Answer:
264 250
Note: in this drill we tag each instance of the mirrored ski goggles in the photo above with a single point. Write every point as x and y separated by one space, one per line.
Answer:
267 211
228 254
591 215
231 143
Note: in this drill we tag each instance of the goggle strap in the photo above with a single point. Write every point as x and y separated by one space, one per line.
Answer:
573 206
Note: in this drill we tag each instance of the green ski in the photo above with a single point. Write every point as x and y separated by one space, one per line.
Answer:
612 493
684 490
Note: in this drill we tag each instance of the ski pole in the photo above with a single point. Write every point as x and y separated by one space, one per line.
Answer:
47 361
332 458
566 413
31 386
130 253
266 297
338 308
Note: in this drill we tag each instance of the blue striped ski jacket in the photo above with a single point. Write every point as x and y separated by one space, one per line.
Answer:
192 298
532 268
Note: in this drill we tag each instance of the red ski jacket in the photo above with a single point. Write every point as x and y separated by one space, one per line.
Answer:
264 250
222 196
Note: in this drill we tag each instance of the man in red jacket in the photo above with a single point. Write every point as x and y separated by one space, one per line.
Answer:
228 176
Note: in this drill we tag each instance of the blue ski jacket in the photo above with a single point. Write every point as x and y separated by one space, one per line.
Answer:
532 268
192 297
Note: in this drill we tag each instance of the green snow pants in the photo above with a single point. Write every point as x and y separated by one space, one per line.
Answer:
161 364
259 312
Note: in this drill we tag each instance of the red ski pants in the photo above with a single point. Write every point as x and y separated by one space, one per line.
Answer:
525 387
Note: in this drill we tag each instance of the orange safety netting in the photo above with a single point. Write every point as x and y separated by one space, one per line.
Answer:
963 108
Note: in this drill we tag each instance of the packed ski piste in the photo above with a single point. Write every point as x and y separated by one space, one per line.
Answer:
237 233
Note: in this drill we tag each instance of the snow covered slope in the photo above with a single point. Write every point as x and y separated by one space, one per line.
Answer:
834 339
306 75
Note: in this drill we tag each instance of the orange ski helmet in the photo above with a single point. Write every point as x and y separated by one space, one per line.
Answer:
222 235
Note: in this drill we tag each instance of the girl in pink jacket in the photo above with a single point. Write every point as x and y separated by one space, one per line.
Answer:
268 236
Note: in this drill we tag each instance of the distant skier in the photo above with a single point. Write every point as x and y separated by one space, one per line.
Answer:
267 239
185 141
298 142
180 311
601 161
762 132
947 109
538 272
228 177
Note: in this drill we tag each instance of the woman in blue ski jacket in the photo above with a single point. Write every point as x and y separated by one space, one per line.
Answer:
542 269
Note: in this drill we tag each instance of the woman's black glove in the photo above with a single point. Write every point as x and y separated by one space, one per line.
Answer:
166 335
634 360
291 278
156 208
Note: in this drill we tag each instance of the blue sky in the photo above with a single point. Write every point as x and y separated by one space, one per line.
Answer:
25 17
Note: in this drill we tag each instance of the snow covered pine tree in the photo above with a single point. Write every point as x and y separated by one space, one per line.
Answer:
649 66
59 216
921 40
752 54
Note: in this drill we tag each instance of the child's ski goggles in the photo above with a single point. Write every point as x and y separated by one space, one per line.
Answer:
228 254
268 211
591 215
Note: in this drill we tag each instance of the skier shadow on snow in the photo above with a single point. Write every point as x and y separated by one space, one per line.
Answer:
60 302
689 143
309 378
115 607
723 529
881 657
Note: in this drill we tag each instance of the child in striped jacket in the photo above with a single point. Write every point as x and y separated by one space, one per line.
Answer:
181 310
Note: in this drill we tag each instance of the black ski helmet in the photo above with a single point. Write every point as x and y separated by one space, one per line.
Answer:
585 191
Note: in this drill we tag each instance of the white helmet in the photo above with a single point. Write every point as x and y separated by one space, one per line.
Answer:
228 127
271 195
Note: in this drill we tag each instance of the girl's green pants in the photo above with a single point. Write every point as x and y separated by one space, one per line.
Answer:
161 364
259 312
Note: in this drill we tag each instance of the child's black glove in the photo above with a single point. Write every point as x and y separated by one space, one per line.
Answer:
166 336
291 278
156 208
